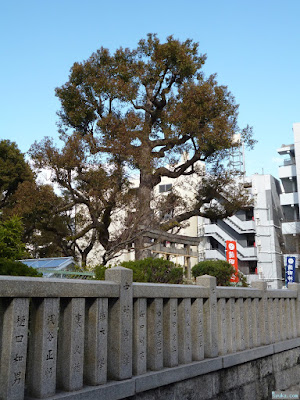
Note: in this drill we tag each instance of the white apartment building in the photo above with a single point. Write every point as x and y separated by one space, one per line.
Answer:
289 174
256 230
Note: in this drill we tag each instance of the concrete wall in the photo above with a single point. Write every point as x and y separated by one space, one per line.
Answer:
63 339
246 380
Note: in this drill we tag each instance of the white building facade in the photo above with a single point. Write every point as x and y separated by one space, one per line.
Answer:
256 230
289 174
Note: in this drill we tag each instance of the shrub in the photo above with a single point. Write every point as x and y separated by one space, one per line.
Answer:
221 269
100 272
155 270
16 268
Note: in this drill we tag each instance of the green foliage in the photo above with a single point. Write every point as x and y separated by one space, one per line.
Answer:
16 268
11 245
45 227
45 218
13 170
222 270
100 272
155 270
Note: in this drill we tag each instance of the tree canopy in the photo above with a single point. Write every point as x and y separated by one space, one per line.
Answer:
140 111
30 211
11 245
13 171
156 270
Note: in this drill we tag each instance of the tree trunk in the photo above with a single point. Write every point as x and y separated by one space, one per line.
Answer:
83 259
145 216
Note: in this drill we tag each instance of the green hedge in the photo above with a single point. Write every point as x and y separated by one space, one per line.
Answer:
16 268
155 270
221 269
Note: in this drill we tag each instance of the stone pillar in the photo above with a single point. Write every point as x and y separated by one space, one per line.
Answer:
197 330
296 309
120 325
155 335
184 331
293 318
263 312
210 316
71 344
188 261
43 347
276 316
170 333
140 336
282 319
287 310
14 349
249 327
222 327
95 355
231 325
240 324
256 322
272 320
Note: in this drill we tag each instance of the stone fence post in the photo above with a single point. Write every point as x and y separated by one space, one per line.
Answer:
210 316
14 349
263 312
296 312
120 325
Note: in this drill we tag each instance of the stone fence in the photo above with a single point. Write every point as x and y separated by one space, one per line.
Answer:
111 339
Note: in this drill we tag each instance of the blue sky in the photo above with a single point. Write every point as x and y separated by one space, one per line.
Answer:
252 46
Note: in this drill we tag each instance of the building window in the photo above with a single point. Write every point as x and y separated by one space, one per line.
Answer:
165 188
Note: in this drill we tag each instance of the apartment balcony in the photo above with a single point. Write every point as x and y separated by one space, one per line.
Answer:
291 228
287 199
214 255
240 226
247 253
286 149
287 171
244 253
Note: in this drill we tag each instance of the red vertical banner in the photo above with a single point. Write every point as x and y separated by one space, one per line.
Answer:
231 255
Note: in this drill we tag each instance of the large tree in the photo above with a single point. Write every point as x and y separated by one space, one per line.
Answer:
46 219
143 109
46 224
96 190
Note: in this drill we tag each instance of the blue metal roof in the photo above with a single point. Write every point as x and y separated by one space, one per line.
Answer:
57 263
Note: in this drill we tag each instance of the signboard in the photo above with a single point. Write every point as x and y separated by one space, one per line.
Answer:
231 256
290 269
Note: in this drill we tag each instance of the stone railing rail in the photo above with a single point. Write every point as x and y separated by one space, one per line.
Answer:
79 339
